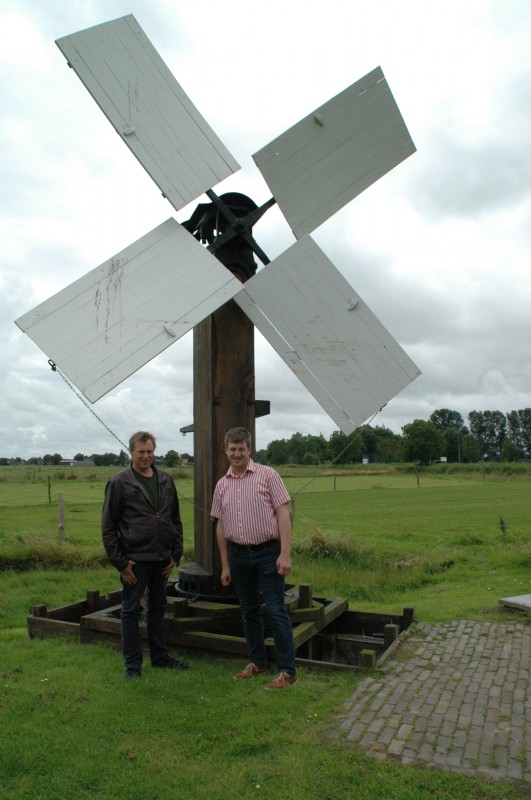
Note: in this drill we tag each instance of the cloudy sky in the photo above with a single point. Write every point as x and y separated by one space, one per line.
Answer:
439 248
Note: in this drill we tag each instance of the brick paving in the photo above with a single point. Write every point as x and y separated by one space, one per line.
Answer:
456 696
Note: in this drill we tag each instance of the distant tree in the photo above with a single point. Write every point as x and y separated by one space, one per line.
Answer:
34 461
345 449
261 456
296 445
277 452
490 429
510 451
4 462
337 447
519 430
106 459
317 446
56 458
453 428
187 458
123 459
444 418
388 446
79 457
470 449
172 459
369 439
422 441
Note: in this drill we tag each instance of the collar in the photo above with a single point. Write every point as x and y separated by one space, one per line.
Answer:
250 468
133 473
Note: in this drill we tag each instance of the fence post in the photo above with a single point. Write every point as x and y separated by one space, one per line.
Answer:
61 517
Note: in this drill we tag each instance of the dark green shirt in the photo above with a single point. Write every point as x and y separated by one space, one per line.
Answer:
151 485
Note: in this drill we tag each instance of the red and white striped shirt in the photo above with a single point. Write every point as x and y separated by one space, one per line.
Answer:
246 504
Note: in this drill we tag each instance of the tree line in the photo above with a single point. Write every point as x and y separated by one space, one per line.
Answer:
489 436
171 459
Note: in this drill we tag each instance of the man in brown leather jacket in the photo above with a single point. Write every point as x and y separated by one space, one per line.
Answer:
143 537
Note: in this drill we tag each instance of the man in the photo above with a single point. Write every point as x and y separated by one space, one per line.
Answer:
143 537
251 506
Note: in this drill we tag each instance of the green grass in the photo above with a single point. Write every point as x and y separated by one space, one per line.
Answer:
440 547
70 727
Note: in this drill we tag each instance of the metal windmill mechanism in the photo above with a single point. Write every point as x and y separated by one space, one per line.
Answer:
108 324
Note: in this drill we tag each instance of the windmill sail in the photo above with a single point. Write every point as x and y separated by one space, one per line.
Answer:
109 323
327 335
148 109
335 153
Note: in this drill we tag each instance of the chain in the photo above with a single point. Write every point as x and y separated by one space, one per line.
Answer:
55 368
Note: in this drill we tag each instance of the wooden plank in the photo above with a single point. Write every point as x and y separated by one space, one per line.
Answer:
316 614
335 153
109 323
333 608
326 666
206 640
148 109
303 632
184 624
203 608
44 626
328 336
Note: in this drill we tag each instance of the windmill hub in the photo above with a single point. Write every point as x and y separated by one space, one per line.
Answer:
241 225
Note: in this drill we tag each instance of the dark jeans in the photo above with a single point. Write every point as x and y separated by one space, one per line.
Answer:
252 571
149 576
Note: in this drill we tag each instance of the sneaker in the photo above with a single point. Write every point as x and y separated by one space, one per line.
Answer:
282 681
170 663
249 672
132 673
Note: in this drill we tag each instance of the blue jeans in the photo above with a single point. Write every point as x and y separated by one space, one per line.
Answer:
149 576
252 571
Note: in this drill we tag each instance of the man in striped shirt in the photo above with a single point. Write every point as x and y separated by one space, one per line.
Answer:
251 506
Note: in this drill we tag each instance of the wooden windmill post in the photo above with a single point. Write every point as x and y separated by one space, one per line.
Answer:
133 306
224 380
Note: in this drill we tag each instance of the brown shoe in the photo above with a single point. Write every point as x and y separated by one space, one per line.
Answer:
282 681
249 672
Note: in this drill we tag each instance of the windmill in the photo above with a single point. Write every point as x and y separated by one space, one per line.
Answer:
109 323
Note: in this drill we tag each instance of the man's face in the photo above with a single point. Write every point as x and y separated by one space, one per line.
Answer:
142 455
238 454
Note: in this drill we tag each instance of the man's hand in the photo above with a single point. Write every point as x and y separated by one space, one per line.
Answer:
128 576
225 576
283 564
167 570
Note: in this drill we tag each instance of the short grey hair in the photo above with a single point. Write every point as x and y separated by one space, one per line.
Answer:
141 436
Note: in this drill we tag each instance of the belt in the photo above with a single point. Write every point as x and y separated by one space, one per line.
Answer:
252 546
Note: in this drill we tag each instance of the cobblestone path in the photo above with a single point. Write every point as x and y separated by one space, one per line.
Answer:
456 696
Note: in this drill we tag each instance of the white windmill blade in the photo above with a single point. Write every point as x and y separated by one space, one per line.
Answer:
109 323
327 335
335 153
148 108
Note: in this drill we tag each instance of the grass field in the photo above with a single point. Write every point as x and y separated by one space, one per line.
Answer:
448 543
